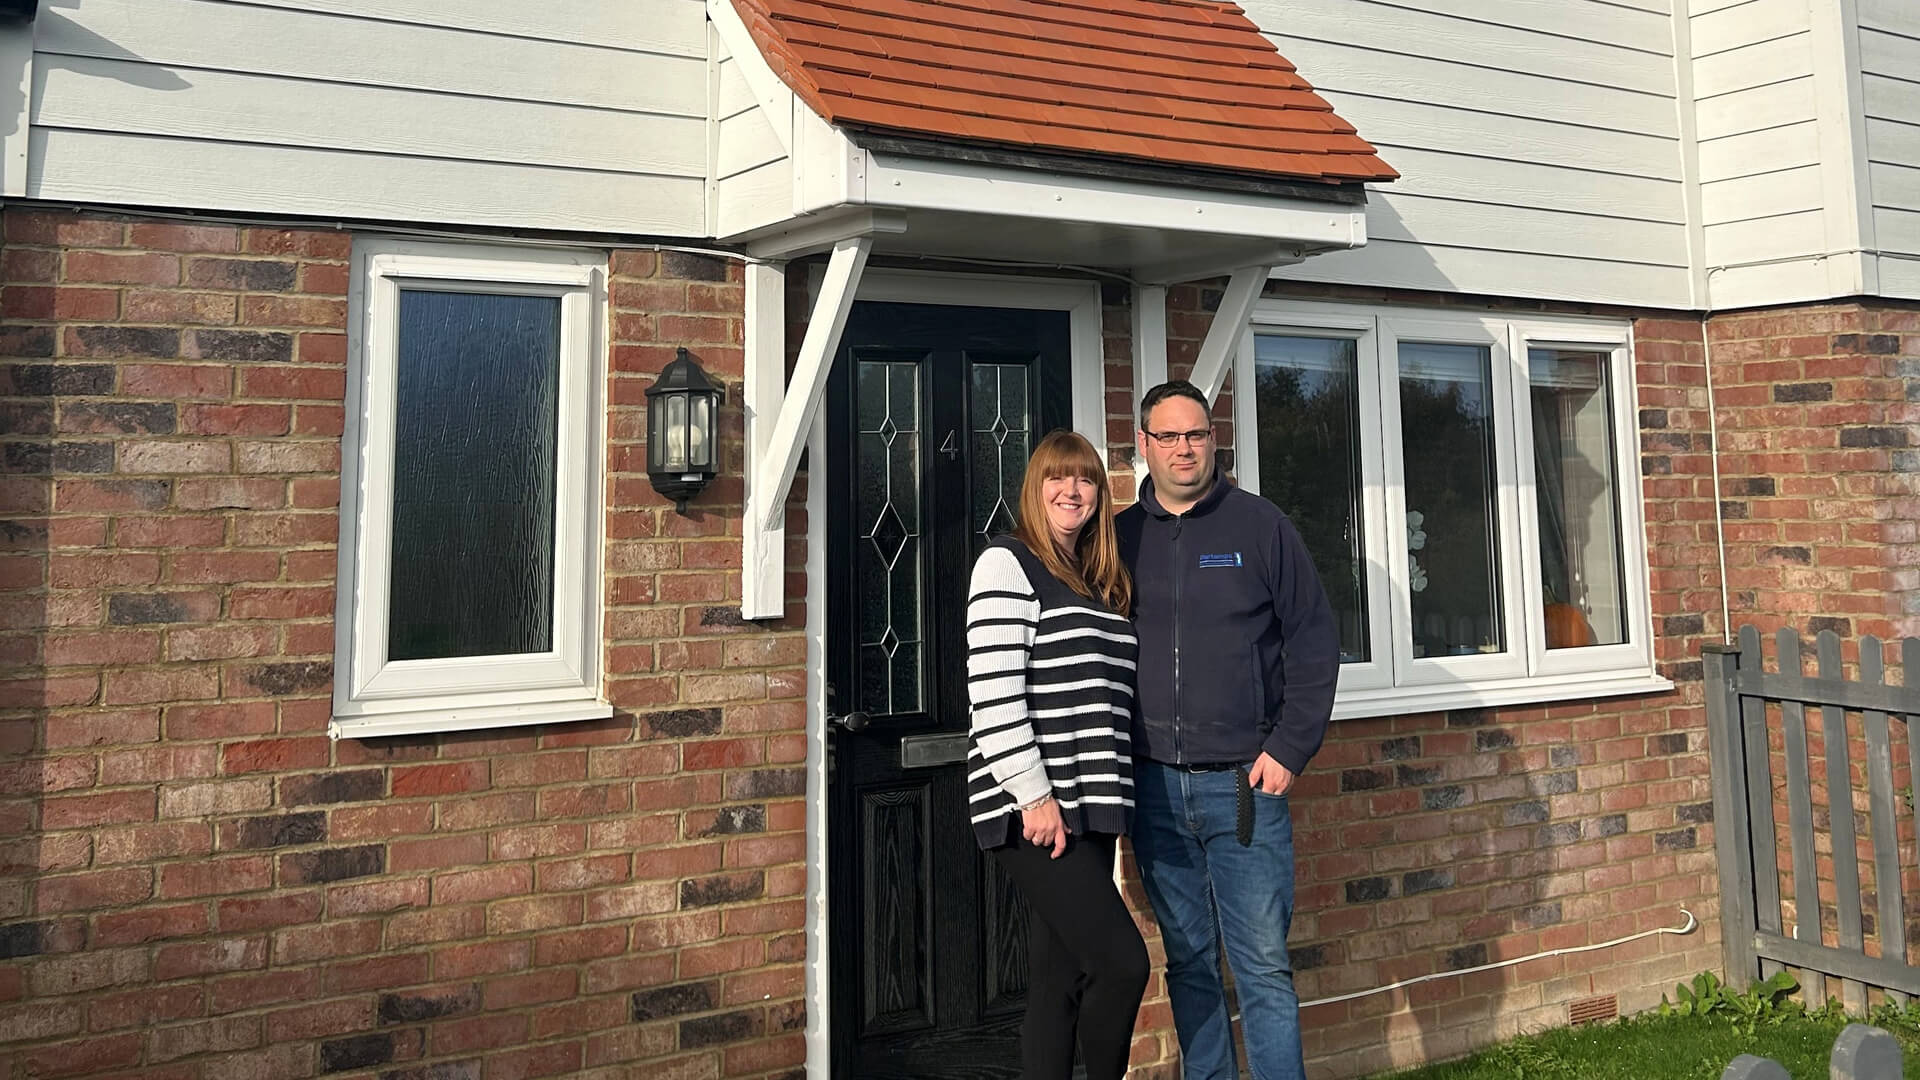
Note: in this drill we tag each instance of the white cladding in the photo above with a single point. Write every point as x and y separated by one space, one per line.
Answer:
1756 109
586 115
1727 153
1538 140
1890 98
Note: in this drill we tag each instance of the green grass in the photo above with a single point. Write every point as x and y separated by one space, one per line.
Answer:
1667 1048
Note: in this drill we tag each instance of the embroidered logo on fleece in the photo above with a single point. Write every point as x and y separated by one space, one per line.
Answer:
1224 558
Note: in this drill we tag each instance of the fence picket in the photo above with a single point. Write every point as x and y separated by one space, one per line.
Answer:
1846 839
1910 680
1886 838
1806 879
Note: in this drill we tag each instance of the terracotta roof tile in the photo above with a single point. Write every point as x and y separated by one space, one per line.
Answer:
1182 82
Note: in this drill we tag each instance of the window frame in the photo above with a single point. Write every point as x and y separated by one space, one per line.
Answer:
375 696
1395 681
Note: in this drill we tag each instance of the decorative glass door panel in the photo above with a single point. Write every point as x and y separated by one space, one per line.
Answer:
931 414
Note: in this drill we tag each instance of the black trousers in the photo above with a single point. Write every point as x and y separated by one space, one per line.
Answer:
1086 964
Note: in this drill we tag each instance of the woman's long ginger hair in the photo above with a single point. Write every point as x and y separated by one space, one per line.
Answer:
1093 569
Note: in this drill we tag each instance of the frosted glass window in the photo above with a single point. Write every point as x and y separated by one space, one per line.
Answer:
474 469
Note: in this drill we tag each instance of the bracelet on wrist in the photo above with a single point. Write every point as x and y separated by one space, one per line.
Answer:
1037 803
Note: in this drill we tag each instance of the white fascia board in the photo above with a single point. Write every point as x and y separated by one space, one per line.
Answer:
965 187
820 232
828 170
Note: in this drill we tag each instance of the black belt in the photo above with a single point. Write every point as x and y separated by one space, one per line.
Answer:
1205 766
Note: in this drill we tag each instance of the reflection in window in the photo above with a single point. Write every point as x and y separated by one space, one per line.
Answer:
477 403
1304 397
1573 454
1453 538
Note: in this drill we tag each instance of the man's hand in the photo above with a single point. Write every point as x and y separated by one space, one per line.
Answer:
1269 775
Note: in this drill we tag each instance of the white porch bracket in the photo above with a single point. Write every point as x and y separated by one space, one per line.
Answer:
1149 355
1229 326
771 470
762 551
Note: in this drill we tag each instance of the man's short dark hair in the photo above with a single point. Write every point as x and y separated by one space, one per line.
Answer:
1172 389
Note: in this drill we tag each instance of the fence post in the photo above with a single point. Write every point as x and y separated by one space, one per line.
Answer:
1865 1053
1748 1067
1733 840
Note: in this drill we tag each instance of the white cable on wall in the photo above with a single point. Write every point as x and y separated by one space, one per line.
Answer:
1687 929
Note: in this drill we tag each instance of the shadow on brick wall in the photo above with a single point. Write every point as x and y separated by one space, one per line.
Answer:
30 382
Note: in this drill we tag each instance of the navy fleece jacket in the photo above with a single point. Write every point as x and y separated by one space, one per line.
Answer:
1238 648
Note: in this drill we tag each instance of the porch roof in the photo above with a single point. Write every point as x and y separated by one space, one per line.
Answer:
1185 83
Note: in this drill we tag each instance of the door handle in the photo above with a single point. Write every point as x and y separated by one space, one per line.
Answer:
853 723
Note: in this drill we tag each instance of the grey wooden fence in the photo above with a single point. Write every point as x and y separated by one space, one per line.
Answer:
1757 731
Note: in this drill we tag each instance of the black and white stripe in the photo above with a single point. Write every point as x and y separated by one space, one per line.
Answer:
1050 674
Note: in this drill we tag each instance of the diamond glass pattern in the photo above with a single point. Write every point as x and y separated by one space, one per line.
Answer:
1002 435
887 493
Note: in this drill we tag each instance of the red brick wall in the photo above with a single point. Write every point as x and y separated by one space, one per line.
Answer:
1819 456
194 882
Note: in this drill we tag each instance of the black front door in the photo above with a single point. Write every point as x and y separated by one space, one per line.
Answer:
931 414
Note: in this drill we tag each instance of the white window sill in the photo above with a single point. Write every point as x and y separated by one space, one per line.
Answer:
1541 690
466 719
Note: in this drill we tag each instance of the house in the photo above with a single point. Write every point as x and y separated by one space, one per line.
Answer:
369 713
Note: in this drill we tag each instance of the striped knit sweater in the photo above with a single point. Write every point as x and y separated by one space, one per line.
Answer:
1050 674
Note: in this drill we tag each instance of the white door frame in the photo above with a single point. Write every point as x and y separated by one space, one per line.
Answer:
1080 298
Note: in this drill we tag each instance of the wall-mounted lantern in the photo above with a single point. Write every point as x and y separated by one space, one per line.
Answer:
681 440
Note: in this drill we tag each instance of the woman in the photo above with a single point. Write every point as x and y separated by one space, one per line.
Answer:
1050 670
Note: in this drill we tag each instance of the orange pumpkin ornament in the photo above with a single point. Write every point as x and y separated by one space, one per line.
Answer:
1567 627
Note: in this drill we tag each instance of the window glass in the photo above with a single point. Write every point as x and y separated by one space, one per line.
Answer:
474 462
1582 578
1452 520
1308 414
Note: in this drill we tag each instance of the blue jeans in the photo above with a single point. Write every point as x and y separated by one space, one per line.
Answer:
1206 888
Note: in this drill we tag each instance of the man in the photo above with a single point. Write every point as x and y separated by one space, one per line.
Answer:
1238 659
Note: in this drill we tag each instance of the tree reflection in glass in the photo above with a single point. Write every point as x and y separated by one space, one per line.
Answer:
1446 436
1304 397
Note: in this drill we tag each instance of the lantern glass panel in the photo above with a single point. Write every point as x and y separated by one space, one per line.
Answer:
675 432
700 433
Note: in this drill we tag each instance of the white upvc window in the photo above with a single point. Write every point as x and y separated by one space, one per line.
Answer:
1468 486
471 506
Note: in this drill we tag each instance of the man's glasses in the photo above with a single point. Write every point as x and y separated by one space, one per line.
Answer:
1173 438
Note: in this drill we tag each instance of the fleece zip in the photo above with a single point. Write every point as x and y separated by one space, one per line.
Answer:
1239 651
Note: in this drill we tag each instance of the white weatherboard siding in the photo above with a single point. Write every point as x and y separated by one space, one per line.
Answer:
1538 140
752 172
1762 181
589 116
1890 92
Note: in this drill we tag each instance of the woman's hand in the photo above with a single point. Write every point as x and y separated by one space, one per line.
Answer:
1043 826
